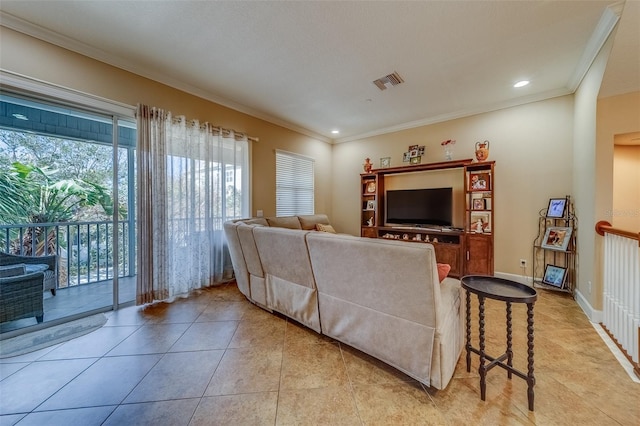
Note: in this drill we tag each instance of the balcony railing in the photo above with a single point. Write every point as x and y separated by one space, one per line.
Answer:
85 250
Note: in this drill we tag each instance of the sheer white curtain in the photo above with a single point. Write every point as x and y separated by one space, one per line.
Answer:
191 178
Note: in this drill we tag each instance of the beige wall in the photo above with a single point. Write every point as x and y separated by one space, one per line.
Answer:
532 147
618 115
36 59
626 188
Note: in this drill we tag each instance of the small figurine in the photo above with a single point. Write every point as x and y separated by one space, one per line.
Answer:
370 222
367 165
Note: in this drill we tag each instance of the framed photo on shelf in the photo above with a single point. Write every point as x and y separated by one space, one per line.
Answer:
385 162
371 205
406 157
478 204
479 181
416 160
557 238
480 222
556 208
554 275
371 187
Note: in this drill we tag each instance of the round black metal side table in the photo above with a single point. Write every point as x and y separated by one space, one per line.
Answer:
509 292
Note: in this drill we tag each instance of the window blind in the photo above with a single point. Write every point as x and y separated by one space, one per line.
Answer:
294 184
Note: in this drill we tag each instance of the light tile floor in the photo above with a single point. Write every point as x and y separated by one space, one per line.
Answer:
215 358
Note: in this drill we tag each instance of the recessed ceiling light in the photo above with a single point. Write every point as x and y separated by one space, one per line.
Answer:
521 83
20 116
335 132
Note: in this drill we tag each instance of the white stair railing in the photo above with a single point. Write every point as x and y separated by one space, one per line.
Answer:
621 297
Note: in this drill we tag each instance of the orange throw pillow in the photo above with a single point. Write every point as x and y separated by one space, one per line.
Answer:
443 270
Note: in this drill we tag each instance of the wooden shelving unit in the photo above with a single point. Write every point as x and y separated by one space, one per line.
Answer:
479 207
466 250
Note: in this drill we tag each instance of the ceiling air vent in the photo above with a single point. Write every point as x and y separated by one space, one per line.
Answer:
388 81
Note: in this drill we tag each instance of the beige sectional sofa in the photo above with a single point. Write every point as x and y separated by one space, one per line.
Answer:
382 297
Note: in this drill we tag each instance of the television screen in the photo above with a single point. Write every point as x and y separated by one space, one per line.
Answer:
431 206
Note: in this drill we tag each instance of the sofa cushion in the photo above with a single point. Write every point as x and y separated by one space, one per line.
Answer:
12 270
325 228
290 222
443 270
310 221
256 221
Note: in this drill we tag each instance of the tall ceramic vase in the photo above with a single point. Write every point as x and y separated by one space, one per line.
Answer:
482 151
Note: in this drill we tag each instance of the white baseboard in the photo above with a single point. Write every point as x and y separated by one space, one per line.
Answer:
522 279
591 313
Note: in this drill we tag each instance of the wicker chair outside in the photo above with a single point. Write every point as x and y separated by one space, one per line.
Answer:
21 297
50 275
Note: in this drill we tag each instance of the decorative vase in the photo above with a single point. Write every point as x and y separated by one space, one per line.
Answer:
482 150
367 165
448 152
447 146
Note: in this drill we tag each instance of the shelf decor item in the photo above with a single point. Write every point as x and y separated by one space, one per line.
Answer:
557 238
482 151
371 205
554 275
479 181
371 187
556 207
367 165
414 154
385 162
555 247
480 222
448 148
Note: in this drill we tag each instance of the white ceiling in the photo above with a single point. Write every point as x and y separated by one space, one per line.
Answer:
309 65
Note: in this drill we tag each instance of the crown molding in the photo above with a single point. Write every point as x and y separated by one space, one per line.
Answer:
52 37
601 33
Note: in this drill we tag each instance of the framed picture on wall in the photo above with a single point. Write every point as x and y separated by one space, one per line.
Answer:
554 275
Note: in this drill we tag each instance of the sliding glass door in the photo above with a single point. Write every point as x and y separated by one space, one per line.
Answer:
67 180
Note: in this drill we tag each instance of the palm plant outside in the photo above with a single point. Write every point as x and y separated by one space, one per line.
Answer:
50 180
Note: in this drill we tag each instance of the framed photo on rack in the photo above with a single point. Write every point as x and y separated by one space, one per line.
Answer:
557 207
371 205
557 238
554 275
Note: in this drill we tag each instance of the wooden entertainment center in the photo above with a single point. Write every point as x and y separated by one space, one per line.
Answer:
469 250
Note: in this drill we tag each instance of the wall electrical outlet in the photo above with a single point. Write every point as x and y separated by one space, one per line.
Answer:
523 263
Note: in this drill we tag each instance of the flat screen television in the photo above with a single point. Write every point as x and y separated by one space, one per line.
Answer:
421 207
